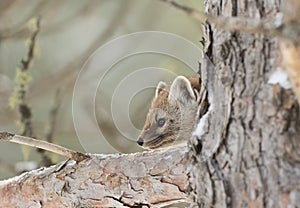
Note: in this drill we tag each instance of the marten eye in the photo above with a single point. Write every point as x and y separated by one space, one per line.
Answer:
161 122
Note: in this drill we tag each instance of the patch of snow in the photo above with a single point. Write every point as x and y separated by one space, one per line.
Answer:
278 19
11 180
71 163
272 61
280 77
26 166
201 128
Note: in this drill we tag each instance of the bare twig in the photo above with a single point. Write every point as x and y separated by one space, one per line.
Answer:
18 30
53 116
66 76
77 156
45 8
46 160
240 24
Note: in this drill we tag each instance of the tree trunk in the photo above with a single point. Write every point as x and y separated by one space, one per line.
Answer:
250 152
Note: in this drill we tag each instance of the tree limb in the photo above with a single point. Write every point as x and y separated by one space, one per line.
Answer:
270 27
77 156
149 179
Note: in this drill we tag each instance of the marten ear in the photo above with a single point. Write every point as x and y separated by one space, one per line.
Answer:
161 86
181 90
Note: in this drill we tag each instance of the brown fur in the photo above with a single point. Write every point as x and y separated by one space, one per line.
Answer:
178 105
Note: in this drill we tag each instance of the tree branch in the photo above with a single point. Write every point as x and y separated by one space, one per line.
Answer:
268 27
149 179
77 156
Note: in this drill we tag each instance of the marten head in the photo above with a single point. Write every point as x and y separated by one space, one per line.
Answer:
172 113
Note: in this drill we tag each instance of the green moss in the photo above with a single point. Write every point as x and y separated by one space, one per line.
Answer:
23 77
33 24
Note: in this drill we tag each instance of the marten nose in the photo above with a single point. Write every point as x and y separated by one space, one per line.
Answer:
140 141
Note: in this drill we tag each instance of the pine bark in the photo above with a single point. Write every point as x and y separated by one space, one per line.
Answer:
249 155
148 179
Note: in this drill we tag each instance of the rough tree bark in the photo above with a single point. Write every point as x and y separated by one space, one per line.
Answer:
148 179
253 132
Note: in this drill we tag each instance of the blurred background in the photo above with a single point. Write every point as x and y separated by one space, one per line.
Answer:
70 31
